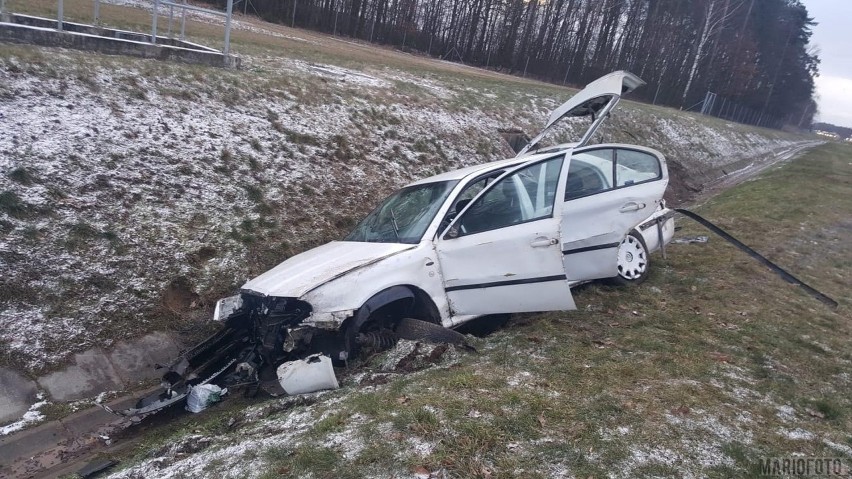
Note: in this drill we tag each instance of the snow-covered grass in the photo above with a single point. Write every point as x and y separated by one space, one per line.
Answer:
135 180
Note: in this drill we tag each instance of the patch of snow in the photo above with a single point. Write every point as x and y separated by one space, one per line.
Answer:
347 441
702 421
798 434
334 73
560 471
737 374
32 416
658 455
838 447
786 413
421 447
519 378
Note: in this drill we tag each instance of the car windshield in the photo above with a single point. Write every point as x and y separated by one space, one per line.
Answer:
404 216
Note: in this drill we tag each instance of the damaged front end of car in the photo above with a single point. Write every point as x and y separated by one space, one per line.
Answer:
259 335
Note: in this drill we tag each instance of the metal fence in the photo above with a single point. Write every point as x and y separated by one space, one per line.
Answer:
183 7
728 109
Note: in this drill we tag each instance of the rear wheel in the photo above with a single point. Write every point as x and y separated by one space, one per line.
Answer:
633 261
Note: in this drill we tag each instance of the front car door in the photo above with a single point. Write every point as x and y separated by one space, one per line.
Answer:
501 254
610 189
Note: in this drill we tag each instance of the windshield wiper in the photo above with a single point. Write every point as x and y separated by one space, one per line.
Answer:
395 227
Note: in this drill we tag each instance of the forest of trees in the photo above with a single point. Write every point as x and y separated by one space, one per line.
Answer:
752 52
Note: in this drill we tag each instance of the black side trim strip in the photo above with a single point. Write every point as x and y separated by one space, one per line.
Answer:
544 279
591 248
754 254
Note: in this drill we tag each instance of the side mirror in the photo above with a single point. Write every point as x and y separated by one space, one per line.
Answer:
452 233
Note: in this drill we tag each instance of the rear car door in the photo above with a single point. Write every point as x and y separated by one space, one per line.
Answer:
501 254
609 191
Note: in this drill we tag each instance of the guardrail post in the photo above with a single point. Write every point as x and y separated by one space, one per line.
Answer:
227 49
183 22
2 7
171 17
155 14
97 15
60 14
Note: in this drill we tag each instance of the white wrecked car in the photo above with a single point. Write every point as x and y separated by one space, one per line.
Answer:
504 237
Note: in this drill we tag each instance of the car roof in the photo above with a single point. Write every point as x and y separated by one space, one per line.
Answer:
463 173
548 152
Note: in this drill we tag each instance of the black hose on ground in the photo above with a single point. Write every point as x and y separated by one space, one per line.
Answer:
754 254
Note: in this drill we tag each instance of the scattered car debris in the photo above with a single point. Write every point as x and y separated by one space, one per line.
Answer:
203 396
314 373
690 240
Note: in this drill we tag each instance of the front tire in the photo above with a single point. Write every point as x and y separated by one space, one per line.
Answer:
634 263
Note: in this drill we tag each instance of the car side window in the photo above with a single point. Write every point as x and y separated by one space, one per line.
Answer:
525 195
636 167
589 172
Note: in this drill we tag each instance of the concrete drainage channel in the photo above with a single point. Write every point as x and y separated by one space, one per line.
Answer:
126 366
85 443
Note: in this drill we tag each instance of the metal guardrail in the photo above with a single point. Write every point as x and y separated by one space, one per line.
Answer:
155 14
228 14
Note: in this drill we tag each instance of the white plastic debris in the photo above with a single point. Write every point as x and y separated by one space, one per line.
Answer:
690 240
203 396
314 373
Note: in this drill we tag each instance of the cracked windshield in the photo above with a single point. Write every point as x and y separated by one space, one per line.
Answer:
404 216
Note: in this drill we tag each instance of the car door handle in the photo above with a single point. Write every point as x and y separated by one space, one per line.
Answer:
543 242
632 206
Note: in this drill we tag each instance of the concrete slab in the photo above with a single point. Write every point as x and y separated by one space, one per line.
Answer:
27 447
46 450
135 361
91 374
17 393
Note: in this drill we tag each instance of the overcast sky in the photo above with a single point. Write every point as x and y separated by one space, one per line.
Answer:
833 37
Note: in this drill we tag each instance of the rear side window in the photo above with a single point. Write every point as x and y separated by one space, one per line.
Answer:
636 167
589 172
596 171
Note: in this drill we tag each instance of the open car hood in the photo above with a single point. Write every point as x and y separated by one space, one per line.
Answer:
597 99
304 272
